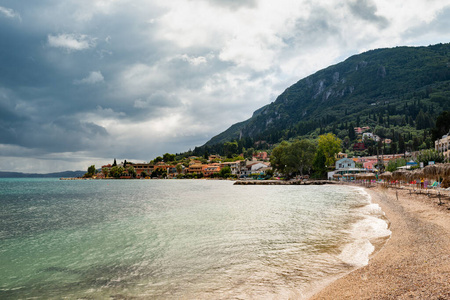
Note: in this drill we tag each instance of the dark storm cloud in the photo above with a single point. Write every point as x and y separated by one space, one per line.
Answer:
366 10
315 30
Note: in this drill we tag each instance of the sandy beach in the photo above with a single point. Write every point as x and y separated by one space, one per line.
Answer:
414 263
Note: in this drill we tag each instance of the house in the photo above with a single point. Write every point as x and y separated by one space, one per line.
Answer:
143 167
359 147
236 167
345 163
370 164
214 157
341 155
260 156
370 136
211 169
253 167
196 168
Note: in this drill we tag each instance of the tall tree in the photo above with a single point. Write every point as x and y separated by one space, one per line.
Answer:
442 125
319 166
330 145
300 156
278 157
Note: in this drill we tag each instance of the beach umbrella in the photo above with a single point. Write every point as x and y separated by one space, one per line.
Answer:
432 171
414 175
386 175
368 176
445 170
399 174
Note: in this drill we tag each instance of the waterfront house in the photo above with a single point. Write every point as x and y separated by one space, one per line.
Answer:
345 163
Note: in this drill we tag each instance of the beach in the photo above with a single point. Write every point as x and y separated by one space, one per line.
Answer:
414 263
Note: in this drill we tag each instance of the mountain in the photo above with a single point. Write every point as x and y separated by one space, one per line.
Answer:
402 89
35 175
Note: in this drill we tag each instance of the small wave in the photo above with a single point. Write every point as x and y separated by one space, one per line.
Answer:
370 227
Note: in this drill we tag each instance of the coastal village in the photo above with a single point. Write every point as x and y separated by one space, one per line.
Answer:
259 166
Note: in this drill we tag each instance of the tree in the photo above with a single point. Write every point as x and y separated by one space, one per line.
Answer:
426 156
393 148
442 125
131 171
91 170
168 157
179 168
158 159
278 157
105 172
319 164
351 132
248 153
330 145
395 164
225 172
300 155
116 171
294 158
230 148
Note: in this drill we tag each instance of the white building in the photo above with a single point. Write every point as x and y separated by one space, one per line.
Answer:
442 145
370 136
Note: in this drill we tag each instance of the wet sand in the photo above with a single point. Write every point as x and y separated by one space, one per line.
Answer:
414 263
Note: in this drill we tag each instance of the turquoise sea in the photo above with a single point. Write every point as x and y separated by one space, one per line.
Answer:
179 239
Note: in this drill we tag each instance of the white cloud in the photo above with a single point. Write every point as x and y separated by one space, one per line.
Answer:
194 60
75 42
93 78
9 13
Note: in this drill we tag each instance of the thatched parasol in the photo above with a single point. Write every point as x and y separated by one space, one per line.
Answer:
337 175
399 174
414 175
370 176
386 175
366 176
433 171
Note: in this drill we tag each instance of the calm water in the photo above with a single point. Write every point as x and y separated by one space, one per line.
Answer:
172 239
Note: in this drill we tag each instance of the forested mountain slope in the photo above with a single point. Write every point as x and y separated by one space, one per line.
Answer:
398 92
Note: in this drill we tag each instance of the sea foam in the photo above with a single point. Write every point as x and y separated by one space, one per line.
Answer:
371 226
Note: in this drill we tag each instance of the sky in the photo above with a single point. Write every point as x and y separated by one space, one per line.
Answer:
85 81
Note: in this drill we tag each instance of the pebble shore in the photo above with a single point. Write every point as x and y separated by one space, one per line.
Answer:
415 261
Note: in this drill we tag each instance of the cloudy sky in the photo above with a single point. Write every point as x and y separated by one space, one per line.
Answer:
85 81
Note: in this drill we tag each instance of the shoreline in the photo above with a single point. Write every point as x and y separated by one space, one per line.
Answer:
413 263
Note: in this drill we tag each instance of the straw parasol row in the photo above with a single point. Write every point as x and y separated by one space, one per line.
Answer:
430 172
366 176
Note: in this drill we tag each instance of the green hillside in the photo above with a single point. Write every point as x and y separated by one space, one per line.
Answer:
397 92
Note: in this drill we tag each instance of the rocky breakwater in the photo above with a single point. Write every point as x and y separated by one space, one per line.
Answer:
284 182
